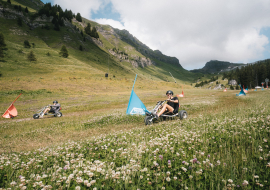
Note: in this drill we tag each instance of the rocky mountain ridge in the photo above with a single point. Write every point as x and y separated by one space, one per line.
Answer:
145 50
215 66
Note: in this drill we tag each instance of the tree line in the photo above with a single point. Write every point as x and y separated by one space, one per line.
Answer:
213 78
251 75
59 15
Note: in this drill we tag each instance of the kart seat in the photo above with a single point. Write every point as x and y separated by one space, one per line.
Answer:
57 110
168 113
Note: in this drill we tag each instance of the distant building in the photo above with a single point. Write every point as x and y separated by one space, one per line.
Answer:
232 82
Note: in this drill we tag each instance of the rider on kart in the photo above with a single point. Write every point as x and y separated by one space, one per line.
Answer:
171 106
54 108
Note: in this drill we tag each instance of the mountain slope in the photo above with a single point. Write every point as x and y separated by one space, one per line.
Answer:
215 66
112 52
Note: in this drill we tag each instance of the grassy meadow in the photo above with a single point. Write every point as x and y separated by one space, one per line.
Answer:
224 144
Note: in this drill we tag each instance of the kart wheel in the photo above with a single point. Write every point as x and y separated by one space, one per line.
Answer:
36 116
58 114
148 120
182 114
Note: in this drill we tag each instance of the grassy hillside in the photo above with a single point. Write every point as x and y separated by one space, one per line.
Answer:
93 59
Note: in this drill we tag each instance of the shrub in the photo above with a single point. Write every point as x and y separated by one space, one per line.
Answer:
2 41
19 21
27 44
1 53
81 48
20 51
47 27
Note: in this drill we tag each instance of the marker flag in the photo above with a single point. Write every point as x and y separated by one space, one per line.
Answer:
11 111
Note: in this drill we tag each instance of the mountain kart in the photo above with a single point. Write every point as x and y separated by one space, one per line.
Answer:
57 113
150 116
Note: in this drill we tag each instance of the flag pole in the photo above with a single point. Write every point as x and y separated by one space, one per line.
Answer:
131 95
172 77
16 98
134 82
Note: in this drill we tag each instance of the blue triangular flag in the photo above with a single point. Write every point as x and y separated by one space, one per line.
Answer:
135 105
241 93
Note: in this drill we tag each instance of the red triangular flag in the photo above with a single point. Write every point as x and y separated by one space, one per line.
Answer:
181 95
11 111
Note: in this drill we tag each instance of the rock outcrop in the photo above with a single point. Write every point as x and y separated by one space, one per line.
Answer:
125 36
136 61
13 14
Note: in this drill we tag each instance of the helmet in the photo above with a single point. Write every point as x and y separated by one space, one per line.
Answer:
55 101
169 92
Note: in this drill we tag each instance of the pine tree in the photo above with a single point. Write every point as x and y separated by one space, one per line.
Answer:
26 10
87 29
78 17
64 52
95 33
81 48
61 21
31 56
82 33
8 1
54 20
56 27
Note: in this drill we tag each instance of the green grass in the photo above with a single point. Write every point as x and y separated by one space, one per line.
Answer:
223 144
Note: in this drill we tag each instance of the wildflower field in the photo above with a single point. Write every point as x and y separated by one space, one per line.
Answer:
223 147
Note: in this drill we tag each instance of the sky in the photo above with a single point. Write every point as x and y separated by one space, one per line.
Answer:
193 31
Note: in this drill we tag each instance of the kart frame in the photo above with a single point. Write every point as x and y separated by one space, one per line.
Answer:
150 116
41 111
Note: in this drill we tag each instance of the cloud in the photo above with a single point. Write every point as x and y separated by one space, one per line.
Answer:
194 31
197 31
84 7
113 23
